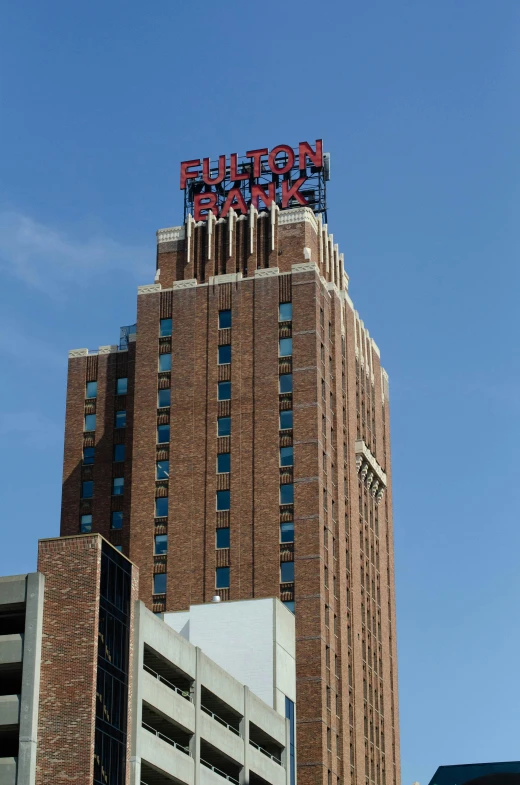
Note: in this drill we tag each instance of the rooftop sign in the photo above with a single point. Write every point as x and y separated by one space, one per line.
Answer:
286 176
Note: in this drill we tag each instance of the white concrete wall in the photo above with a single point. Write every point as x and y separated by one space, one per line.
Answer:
254 640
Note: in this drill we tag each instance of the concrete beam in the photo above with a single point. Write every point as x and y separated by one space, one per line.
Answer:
9 710
11 649
8 771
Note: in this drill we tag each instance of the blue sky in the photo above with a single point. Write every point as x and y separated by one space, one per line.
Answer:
418 105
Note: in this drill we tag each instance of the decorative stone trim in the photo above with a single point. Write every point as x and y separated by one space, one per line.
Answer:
266 272
385 385
189 283
298 215
111 349
171 235
305 267
225 278
369 471
150 288
77 353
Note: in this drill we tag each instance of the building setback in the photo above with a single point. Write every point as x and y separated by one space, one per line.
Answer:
237 443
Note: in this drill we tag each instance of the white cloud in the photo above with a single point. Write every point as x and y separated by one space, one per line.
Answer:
49 259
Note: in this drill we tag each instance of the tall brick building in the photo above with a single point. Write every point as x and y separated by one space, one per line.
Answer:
237 443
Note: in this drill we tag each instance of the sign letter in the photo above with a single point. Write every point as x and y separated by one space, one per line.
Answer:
235 200
292 192
206 175
204 202
258 192
282 148
306 151
186 174
256 155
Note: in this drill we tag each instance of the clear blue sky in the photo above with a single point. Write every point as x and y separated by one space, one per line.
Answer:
418 105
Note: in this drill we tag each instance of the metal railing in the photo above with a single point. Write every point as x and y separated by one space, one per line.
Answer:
166 738
183 693
218 771
219 719
258 747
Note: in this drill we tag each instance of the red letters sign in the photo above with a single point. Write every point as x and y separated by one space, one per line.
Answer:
286 176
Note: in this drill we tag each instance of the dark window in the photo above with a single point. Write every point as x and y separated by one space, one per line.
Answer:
161 544
224 426
286 420
88 455
223 538
165 328
161 507
85 524
224 319
287 494
163 398
119 548
122 385
285 312
289 713
116 519
119 452
289 604
224 391
286 383
223 462
118 486
285 347
163 434
286 456
87 489
287 572
165 362
91 391
162 470
90 422
222 577
287 531
159 583
224 354
223 500
120 419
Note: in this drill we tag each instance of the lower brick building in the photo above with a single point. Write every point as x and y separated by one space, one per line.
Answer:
237 442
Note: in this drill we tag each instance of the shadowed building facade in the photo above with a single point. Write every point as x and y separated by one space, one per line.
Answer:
237 443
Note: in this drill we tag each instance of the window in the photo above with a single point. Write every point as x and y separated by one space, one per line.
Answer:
88 455
285 312
85 524
289 604
223 538
285 347
161 507
287 494
224 319
87 489
91 391
287 531
161 544
90 422
224 354
286 456
224 391
118 486
162 470
159 583
119 452
120 421
163 398
222 577
163 434
122 385
165 327
119 548
223 462
286 383
165 362
116 519
224 426
223 500
286 420
287 572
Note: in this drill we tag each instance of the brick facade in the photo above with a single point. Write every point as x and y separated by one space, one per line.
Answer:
347 707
